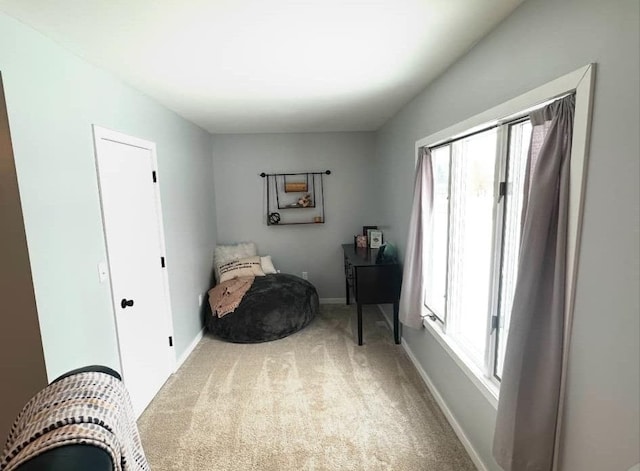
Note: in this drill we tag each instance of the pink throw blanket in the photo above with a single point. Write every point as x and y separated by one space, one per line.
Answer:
226 297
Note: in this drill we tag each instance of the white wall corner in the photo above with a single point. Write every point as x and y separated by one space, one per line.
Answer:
387 314
190 348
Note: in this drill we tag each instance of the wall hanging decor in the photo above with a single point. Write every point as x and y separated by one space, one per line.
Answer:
287 192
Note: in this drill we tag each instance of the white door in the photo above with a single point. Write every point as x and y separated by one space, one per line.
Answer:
132 221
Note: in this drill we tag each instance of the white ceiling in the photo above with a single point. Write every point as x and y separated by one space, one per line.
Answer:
238 66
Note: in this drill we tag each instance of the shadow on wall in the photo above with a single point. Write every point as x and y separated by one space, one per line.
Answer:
204 308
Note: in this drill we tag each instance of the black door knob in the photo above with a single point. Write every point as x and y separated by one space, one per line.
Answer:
124 303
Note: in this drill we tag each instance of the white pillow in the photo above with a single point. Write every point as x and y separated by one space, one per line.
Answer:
249 266
228 253
267 265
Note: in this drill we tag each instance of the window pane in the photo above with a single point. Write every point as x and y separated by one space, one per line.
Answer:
519 139
436 272
471 233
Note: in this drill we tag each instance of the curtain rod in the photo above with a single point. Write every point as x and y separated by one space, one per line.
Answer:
520 117
464 136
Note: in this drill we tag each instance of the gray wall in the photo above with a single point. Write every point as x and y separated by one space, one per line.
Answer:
53 98
349 198
542 40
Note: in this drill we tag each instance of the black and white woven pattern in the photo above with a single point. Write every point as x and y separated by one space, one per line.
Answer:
88 409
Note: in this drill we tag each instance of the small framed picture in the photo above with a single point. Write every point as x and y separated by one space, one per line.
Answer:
375 239
366 229
361 241
369 231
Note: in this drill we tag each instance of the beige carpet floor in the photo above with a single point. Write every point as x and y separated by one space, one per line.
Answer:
311 401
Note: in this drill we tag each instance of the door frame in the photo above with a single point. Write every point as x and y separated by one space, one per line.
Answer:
99 133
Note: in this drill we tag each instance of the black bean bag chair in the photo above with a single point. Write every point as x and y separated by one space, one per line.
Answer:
275 306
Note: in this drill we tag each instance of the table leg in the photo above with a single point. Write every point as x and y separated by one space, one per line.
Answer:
396 323
359 324
346 286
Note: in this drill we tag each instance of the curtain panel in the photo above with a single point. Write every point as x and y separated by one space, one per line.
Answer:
528 409
412 293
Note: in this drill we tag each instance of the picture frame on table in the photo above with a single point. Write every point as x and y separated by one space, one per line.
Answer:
375 239
366 230
361 241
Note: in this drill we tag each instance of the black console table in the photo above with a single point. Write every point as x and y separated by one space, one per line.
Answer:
371 283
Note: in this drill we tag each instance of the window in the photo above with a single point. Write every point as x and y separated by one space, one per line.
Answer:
519 137
474 239
478 171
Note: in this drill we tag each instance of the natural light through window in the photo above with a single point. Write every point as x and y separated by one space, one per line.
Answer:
472 233
436 283
519 137
471 222
474 239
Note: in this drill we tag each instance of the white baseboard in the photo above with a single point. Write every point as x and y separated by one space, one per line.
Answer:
457 428
333 300
189 349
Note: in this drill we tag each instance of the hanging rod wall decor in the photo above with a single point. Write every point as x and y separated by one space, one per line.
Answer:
299 191
326 172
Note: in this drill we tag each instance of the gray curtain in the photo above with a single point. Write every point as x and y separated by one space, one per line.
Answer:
411 296
530 389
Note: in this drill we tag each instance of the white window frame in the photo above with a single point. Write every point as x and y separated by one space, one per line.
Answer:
580 82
